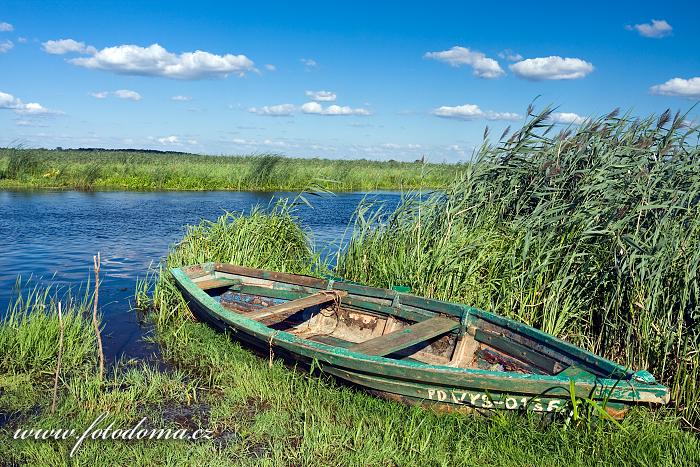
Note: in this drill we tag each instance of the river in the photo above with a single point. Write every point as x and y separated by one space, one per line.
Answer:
51 237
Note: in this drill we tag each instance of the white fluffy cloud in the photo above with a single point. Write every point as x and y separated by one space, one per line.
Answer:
472 112
321 96
127 94
567 118
510 55
181 98
483 66
170 140
153 60
410 146
33 108
313 107
5 46
308 62
332 110
689 88
120 93
657 29
174 140
552 67
281 110
64 46
10 102
270 67
6 27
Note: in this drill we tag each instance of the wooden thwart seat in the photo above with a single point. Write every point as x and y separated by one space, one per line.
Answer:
286 309
404 338
216 283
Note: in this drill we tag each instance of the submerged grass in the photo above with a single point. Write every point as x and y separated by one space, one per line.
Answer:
141 170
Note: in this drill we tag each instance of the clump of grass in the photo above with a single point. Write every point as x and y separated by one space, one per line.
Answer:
29 334
29 346
86 177
21 164
265 170
269 238
592 234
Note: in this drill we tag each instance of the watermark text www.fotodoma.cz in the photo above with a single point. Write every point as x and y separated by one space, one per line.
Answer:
98 432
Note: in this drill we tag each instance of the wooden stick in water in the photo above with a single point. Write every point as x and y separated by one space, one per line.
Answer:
60 355
96 263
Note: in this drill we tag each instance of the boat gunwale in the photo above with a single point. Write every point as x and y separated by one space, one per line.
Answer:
457 310
640 392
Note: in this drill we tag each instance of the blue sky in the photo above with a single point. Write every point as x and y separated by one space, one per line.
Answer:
395 80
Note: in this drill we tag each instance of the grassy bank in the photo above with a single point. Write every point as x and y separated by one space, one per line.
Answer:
269 414
133 170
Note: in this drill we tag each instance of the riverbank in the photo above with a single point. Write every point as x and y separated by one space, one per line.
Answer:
148 170
256 409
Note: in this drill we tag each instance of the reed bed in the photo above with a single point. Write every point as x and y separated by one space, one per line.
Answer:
591 234
142 170
287 417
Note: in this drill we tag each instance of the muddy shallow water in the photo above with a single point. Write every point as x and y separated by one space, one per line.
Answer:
51 236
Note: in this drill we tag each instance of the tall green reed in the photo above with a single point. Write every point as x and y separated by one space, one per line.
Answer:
592 234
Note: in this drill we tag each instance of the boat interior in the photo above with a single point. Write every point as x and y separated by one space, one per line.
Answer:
386 323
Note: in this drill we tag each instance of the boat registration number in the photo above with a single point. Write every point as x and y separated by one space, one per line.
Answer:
491 401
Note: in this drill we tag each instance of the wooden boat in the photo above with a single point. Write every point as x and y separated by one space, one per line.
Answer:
408 347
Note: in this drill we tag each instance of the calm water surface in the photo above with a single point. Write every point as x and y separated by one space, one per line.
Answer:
52 236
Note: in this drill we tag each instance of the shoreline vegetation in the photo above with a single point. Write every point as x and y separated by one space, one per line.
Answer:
133 170
592 234
262 412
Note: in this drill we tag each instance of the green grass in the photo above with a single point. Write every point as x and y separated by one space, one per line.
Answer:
273 415
29 335
592 235
268 238
134 170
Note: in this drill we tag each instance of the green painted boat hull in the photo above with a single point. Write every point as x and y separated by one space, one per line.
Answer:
580 374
